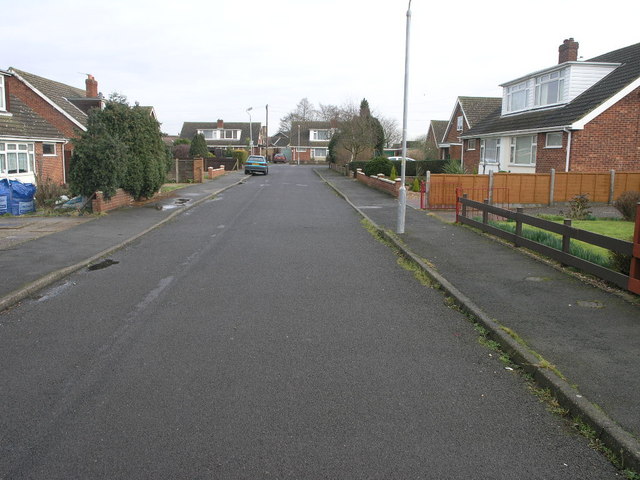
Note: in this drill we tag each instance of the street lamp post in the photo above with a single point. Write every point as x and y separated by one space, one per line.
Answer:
402 194
250 132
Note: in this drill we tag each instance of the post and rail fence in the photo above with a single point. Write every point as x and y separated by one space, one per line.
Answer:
629 282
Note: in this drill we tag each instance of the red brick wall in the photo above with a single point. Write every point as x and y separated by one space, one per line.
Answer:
216 172
42 108
120 199
50 167
611 140
375 182
471 157
548 158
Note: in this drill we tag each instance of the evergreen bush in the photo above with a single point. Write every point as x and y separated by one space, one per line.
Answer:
198 146
627 203
378 165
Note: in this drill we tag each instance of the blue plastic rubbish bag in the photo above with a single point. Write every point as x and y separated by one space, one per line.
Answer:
22 195
5 196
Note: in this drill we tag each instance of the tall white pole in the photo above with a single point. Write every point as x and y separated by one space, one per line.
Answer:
250 132
402 194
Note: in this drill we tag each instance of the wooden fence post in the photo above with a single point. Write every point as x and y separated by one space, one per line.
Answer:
552 186
566 239
427 188
491 187
485 213
519 211
634 273
612 186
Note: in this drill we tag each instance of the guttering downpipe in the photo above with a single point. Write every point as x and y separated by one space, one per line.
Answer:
566 167
64 162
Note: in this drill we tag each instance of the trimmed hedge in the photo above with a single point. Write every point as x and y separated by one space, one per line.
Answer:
421 167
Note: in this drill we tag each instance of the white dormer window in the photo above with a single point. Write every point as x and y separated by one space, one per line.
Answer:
3 102
550 88
518 97
320 135
221 134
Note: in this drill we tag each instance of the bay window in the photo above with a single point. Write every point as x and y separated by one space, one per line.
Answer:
523 150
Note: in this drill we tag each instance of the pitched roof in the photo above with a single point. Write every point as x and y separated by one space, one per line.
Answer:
304 131
438 127
25 123
189 129
477 108
60 95
587 102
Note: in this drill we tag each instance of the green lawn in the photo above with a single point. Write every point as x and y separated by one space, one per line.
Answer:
610 228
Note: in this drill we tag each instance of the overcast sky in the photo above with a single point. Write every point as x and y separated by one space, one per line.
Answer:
203 60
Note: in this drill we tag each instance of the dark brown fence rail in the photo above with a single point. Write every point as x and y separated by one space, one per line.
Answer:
567 232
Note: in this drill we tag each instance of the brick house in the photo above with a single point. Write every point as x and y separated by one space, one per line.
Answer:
221 136
28 143
467 112
309 141
31 102
435 133
578 116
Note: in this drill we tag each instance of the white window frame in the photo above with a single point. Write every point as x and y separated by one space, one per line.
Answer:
314 134
3 101
314 152
49 154
553 145
483 151
209 134
544 82
23 153
533 149
514 91
471 144
459 124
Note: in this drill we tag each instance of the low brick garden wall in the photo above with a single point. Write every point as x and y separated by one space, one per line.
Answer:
379 182
121 199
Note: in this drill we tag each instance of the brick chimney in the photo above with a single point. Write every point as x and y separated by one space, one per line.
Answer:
92 86
568 51
220 123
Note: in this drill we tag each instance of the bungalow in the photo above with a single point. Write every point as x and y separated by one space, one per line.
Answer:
579 116
467 113
221 136
38 118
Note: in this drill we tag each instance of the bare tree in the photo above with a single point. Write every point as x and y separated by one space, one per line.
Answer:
304 112
392 134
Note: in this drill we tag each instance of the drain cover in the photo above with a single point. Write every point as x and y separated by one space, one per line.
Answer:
585 304
103 264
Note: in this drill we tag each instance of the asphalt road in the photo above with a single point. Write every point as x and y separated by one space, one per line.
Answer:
265 334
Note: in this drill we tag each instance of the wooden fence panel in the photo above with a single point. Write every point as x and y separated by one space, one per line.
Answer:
626 181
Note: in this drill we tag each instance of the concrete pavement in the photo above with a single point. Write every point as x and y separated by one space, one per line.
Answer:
591 336
543 317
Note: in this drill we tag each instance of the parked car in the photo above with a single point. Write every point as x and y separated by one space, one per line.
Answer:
400 159
255 164
279 158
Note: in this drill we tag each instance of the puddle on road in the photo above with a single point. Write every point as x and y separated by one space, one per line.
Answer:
103 264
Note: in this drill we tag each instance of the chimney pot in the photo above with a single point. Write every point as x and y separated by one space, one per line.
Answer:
568 51
92 86
220 123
